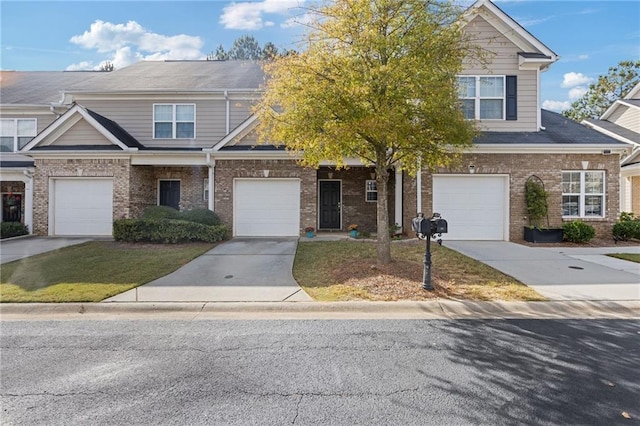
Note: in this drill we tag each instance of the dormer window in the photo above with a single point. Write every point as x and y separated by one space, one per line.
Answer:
488 97
174 121
15 133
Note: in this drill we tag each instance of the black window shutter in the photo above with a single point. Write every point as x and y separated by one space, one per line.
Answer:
512 97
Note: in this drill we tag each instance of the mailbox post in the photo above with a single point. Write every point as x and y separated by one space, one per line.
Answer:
426 229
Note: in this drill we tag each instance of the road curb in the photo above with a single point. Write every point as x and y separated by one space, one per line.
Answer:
435 309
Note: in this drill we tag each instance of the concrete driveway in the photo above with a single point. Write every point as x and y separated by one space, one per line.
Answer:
240 270
560 273
19 248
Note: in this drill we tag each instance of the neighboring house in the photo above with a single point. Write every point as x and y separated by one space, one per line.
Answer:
622 122
94 147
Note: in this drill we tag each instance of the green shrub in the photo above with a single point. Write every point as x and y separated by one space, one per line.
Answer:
578 231
12 229
161 212
167 231
626 229
626 216
201 215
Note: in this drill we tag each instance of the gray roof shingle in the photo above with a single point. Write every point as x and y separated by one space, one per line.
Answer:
40 87
617 129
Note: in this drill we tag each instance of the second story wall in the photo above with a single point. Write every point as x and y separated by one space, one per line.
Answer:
502 60
627 117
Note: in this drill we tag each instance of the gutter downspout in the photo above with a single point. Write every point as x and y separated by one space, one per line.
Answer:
211 165
398 196
228 115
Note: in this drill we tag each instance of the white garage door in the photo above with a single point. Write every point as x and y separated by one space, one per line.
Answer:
82 207
475 207
266 207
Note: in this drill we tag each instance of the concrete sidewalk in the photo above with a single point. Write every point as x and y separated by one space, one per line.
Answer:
21 247
240 270
560 273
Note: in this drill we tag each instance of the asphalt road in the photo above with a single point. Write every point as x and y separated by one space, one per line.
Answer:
321 372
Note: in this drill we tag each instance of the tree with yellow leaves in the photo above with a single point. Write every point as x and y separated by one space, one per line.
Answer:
374 80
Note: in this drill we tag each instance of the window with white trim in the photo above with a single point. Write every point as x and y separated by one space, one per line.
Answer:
205 192
482 97
371 191
583 193
15 133
174 121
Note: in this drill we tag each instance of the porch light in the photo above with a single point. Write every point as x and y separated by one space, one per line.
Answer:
585 165
373 176
472 168
265 173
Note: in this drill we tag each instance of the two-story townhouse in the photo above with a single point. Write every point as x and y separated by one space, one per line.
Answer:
622 121
181 133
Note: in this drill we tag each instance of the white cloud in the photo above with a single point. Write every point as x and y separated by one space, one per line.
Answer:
249 15
583 57
556 105
572 79
297 20
577 92
80 66
131 42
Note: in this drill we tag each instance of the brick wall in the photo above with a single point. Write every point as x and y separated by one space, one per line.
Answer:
519 167
227 170
635 195
45 170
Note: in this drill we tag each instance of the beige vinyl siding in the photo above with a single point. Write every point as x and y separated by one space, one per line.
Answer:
627 117
251 139
136 117
504 62
81 133
239 111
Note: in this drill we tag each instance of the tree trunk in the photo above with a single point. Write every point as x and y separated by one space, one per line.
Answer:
384 240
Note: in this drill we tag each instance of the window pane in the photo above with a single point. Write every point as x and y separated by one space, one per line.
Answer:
593 182
184 130
7 127
571 182
6 144
26 127
469 108
163 131
163 112
185 113
490 108
372 185
466 87
23 141
372 196
491 87
593 205
570 205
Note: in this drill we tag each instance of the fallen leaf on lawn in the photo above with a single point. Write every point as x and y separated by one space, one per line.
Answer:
626 415
609 384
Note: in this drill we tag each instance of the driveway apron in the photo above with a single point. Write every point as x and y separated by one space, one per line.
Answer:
240 270
560 273
20 248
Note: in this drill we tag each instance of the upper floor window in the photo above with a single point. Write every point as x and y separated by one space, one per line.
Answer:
174 121
15 133
583 194
483 98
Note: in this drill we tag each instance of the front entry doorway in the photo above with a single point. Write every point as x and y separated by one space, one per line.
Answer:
330 201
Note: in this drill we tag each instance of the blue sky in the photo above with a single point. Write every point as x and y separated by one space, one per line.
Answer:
589 36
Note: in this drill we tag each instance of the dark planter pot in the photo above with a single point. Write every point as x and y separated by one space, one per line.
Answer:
546 235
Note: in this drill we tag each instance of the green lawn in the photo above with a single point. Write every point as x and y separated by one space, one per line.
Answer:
93 271
632 257
346 270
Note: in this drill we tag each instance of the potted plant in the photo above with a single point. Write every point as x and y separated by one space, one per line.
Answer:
353 230
309 231
537 210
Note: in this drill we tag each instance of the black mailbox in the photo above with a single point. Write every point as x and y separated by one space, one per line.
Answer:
438 226
429 227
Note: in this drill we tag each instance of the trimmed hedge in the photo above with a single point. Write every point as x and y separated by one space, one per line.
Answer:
577 231
627 228
161 212
201 215
12 229
167 231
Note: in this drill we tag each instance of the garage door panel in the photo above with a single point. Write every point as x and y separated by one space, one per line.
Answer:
83 207
474 206
267 207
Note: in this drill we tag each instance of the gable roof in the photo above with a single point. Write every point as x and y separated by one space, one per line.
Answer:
532 50
559 130
631 99
119 137
614 130
40 87
184 76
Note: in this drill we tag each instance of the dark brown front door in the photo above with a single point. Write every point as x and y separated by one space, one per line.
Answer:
330 204
170 193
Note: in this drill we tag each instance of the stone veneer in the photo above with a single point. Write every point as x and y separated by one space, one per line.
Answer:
519 167
635 195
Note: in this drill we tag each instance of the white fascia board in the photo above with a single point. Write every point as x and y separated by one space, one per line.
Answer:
610 133
547 149
614 106
630 170
25 109
255 155
15 173
248 124
72 155
634 93
510 28
534 63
